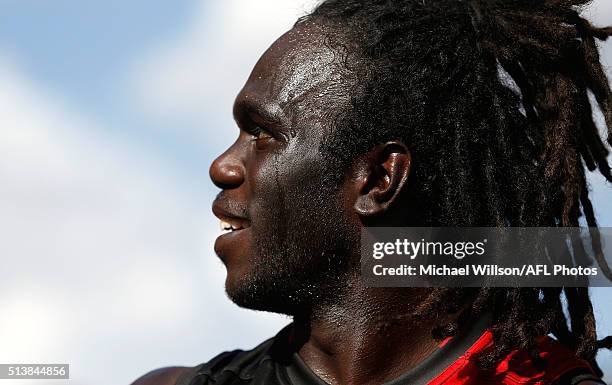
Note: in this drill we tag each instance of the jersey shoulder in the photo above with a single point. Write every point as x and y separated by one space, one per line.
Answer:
562 366
225 368
162 376
232 367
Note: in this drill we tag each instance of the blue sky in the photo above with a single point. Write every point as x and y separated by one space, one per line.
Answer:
82 50
112 112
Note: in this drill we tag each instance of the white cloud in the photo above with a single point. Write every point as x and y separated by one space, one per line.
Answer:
107 259
195 76
599 12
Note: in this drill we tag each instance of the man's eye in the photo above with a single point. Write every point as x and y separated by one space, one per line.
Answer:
260 134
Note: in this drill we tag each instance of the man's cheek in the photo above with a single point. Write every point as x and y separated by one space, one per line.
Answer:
278 179
267 203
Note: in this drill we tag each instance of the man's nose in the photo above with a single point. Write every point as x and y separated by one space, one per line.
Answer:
227 171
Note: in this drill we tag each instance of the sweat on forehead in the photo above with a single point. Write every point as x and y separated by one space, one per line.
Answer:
306 64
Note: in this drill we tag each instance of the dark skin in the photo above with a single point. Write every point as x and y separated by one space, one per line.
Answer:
351 341
364 335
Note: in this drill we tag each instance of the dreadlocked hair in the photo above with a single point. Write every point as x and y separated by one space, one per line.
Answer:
493 100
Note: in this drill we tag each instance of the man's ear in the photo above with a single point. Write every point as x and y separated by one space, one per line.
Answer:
383 176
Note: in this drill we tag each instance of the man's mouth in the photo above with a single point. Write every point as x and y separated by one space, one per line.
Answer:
231 225
232 215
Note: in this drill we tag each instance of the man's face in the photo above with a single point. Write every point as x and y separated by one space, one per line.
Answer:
292 232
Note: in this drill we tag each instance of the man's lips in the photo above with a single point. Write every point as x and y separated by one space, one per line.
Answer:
234 227
230 221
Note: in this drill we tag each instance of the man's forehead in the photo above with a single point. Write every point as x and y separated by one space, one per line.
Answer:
300 65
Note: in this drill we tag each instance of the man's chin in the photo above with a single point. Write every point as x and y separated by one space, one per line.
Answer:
256 300
287 280
273 297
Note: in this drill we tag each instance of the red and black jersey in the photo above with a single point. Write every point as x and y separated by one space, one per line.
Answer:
276 362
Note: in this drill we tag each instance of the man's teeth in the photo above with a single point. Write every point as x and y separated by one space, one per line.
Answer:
228 227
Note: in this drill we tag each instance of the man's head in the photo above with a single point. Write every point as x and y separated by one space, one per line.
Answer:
429 113
299 243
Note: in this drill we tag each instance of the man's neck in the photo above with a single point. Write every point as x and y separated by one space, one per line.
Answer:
372 337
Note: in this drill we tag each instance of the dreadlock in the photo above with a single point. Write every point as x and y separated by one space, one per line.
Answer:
492 97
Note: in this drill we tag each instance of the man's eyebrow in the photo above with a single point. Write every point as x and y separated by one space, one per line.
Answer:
254 109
